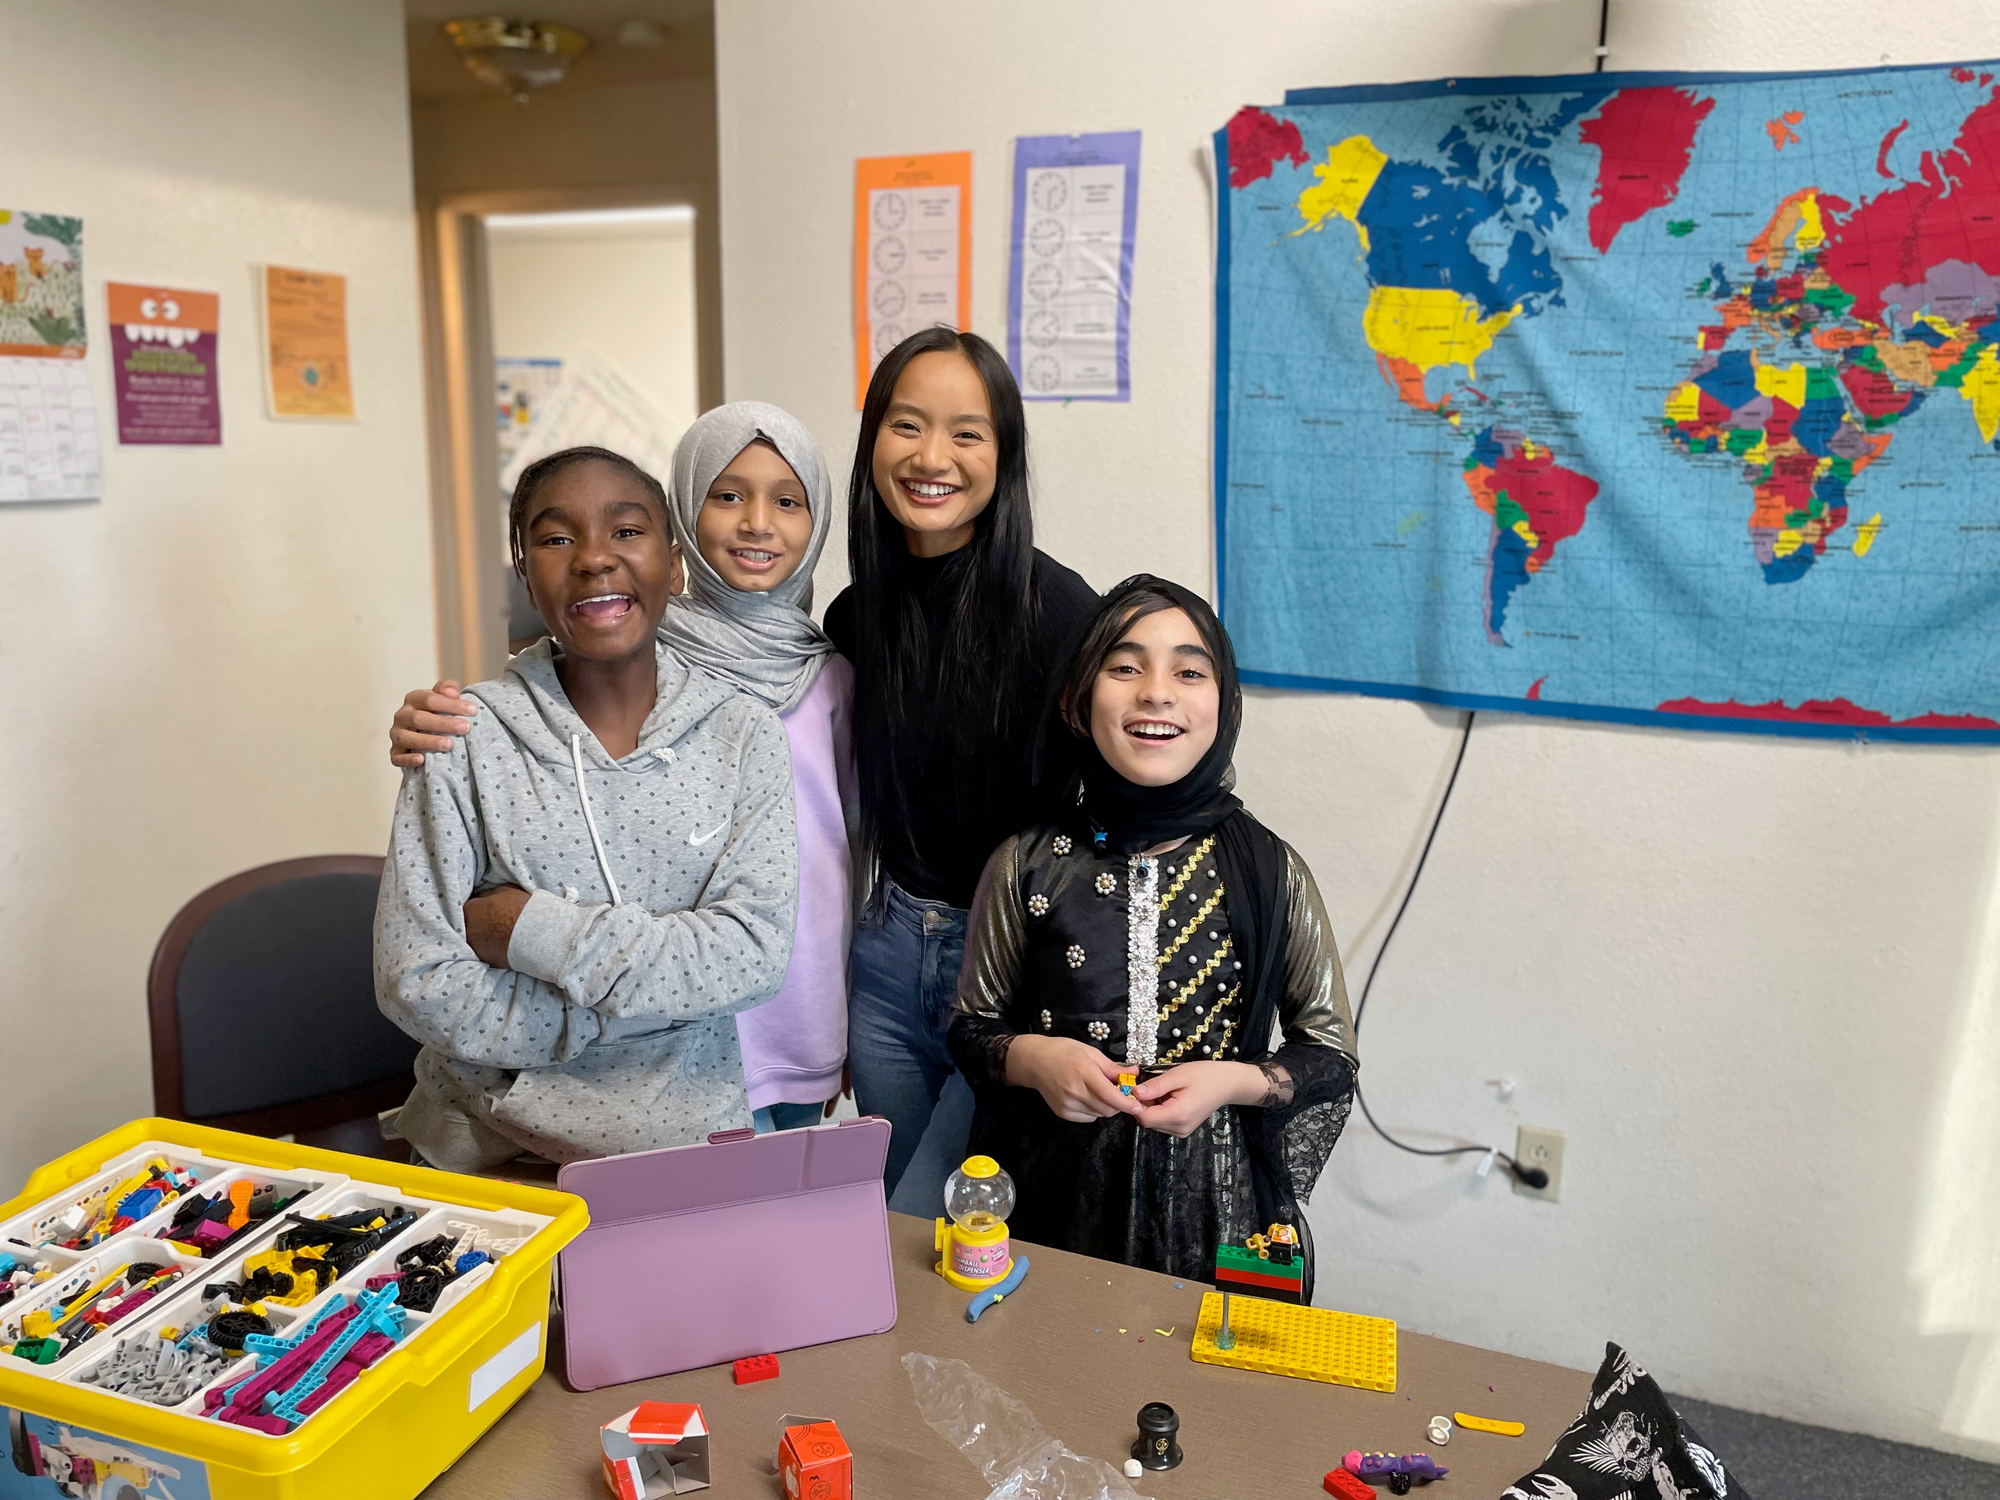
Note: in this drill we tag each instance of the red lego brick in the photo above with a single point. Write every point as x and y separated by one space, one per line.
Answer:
757 1367
1344 1486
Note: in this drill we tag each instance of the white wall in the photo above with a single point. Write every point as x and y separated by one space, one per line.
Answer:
197 671
561 290
1756 981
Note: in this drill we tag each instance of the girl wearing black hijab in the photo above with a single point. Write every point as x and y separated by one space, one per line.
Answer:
1155 928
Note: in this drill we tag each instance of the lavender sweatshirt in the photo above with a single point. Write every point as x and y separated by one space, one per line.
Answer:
795 1043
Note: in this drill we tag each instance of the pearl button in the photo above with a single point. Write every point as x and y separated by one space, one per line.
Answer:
1177 1031
1204 1052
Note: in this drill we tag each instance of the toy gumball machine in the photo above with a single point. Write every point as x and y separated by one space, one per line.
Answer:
978 1196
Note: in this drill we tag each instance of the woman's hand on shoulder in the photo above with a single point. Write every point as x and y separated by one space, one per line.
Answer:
1076 1081
1177 1101
428 721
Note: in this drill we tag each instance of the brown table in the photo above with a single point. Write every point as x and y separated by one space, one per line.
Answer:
1057 1345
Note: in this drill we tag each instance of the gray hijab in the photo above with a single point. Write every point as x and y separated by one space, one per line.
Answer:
765 644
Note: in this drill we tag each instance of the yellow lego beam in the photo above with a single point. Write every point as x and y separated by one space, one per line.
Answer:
1307 1343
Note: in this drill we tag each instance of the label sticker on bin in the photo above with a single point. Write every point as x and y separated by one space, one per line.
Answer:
51 1460
492 1377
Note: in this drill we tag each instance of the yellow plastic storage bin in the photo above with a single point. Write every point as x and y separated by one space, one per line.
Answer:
404 1420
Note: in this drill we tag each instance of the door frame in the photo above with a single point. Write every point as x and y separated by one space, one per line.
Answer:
468 552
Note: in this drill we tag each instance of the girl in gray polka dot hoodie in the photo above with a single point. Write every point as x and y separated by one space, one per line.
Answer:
651 894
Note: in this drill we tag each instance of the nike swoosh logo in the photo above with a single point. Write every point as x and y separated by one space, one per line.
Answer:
697 840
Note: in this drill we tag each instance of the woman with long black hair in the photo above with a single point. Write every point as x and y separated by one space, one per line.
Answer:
954 624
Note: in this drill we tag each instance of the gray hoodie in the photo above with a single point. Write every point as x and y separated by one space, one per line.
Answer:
664 888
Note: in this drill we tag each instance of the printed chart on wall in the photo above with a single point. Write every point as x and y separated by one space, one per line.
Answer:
1669 398
912 251
521 389
163 373
49 443
306 372
1069 278
593 406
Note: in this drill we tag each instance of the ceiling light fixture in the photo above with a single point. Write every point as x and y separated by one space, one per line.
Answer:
516 56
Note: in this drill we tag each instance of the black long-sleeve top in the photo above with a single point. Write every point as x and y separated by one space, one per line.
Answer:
955 823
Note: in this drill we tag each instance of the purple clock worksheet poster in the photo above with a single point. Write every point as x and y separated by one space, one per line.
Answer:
1069 283
163 364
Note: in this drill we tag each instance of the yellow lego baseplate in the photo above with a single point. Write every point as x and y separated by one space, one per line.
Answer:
1309 1343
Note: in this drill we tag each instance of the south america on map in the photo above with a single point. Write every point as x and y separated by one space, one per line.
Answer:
1667 398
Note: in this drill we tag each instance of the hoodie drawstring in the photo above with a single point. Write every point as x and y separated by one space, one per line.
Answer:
589 821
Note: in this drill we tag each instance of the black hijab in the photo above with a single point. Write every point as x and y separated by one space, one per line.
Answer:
1126 818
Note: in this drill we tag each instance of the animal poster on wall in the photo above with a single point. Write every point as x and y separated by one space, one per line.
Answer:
1069 277
163 364
41 285
912 251
305 331
1669 399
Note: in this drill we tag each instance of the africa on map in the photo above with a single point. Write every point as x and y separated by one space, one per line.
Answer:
1666 398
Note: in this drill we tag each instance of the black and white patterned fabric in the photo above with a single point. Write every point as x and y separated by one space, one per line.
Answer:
1629 1444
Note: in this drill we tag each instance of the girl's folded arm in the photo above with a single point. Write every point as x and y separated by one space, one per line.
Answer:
980 1036
725 954
427 978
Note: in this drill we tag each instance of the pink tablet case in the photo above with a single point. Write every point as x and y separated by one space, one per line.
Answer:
750 1244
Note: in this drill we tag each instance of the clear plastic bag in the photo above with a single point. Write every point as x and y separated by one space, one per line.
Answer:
1000 1437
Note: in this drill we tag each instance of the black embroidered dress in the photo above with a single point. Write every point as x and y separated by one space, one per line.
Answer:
1134 956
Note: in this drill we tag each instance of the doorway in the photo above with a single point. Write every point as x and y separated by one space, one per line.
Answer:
570 263
594 339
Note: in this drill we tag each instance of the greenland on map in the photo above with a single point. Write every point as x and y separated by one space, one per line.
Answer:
1662 398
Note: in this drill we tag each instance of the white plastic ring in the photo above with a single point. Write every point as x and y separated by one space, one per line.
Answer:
1440 1430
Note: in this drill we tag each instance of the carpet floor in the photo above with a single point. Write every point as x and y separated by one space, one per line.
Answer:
1779 1460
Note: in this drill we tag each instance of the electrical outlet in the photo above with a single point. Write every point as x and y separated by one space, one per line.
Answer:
1535 1147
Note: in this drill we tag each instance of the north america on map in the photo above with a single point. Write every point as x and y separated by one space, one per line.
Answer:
1667 399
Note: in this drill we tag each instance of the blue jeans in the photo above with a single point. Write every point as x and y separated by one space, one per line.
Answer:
785 1117
902 977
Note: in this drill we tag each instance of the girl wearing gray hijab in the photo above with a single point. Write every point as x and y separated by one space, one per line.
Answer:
750 503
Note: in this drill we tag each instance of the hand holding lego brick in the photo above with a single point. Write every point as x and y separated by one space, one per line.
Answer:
1177 1101
1076 1081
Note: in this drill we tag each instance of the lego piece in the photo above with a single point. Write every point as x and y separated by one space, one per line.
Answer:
1001 1289
240 1192
1133 1468
657 1448
1127 1082
1439 1430
757 1367
1344 1486
813 1459
1239 1268
1489 1424
1158 1444
1307 1343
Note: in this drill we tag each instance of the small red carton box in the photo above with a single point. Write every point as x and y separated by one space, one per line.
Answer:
813 1460
657 1448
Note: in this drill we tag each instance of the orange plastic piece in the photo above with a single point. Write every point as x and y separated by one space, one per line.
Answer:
815 1464
240 1192
1488 1424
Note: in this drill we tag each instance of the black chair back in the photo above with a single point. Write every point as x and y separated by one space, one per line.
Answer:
262 1001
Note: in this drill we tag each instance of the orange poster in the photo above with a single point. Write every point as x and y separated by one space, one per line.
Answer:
305 335
912 251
